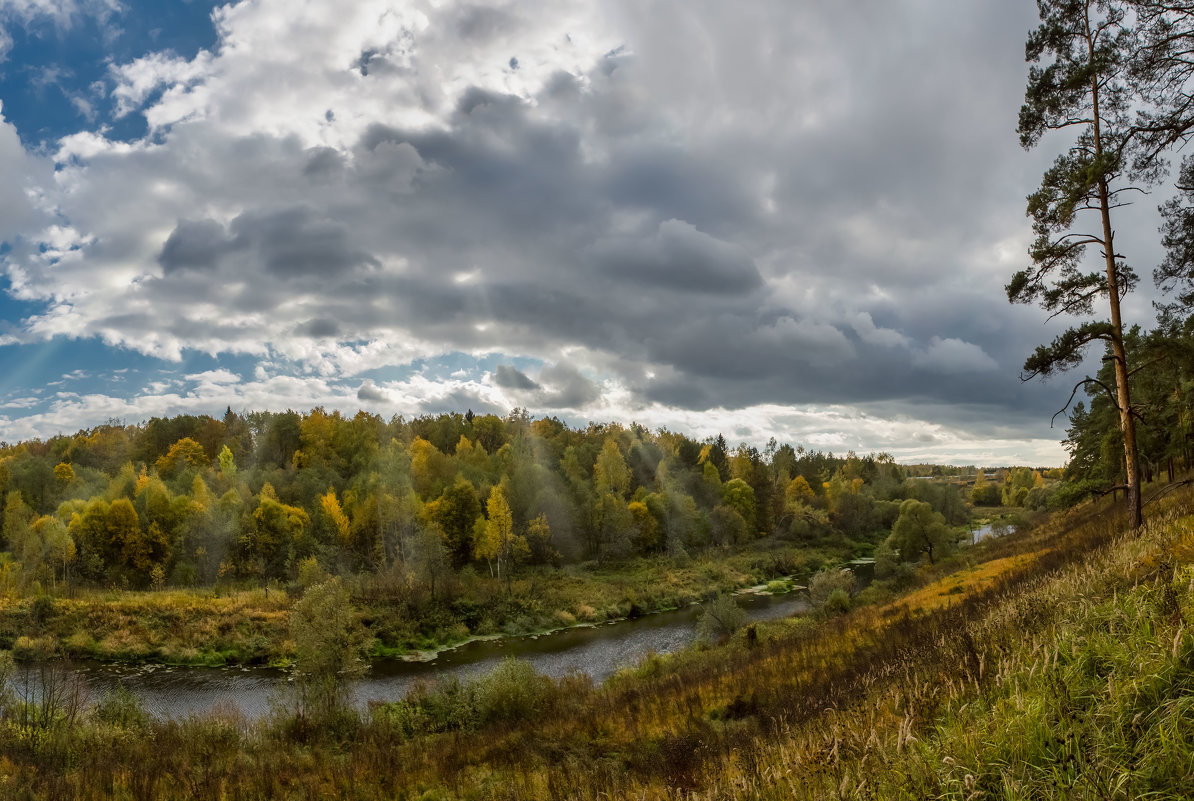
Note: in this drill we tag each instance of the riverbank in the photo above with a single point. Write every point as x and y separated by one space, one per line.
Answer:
225 626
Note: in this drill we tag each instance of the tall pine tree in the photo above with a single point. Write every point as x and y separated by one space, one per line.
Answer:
1078 83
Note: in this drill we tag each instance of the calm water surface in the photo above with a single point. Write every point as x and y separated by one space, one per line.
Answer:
599 651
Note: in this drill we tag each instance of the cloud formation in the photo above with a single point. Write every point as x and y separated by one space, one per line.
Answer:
675 205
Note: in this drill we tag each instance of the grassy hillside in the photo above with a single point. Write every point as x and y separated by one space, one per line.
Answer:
1056 664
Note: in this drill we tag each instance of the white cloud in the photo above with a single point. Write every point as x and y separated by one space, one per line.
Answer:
219 377
138 79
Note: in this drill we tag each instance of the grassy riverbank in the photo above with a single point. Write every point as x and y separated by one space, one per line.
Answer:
1058 664
229 626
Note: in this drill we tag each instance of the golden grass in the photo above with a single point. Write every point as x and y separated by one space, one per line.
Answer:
967 581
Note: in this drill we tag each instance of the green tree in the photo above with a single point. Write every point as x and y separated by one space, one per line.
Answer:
330 649
17 517
1162 73
455 512
740 496
1078 82
227 464
919 530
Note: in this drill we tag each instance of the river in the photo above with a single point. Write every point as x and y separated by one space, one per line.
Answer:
599 651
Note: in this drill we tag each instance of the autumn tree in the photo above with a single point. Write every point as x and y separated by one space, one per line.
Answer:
499 542
430 469
610 473
184 453
1078 83
919 530
267 542
334 517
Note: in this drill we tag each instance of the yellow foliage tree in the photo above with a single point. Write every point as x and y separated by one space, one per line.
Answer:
610 473
430 469
182 454
335 515
64 472
798 491
498 542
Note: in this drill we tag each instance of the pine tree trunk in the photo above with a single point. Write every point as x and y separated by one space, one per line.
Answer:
1127 423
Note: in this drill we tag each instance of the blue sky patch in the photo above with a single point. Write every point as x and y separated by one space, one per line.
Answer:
55 80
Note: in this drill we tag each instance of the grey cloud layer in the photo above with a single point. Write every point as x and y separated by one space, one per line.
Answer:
735 207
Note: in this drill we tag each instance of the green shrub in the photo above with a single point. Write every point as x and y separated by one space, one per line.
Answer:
828 582
721 618
837 602
511 691
121 709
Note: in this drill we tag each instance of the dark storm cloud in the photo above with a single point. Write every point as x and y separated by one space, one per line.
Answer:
319 328
567 388
194 244
509 377
323 161
678 257
560 386
297 242
291 242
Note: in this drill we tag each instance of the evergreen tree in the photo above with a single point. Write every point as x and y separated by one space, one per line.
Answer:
1078 82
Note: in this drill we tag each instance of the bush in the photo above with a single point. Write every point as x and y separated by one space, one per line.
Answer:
826 582
721 618
837 602
511 691
122 710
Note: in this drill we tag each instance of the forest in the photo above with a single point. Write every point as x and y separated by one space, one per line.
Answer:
194 500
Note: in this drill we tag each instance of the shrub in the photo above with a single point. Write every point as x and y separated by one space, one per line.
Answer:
121 709
837 602
721 618
827 582
511 691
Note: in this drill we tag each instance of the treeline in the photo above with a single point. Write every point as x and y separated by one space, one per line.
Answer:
1162 391
1016 487
194 500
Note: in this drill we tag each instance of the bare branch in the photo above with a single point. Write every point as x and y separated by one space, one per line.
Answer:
1079 385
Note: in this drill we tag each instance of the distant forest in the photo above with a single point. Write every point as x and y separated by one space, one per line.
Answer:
196 500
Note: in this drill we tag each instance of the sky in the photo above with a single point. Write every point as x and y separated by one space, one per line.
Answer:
758 219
